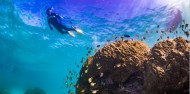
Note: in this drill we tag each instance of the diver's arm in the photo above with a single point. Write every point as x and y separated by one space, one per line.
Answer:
59 17
50 25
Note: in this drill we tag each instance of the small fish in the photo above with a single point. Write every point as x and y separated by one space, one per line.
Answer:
86 71
186 25
99 68
98 45
144 38
158 26
156 31
115 37
158 39
168 37
126 36
182 26
90 79
108 40
101 74
94 91
162 31
92 84
97 64
118 65
70 71
82 90
90 48
186 33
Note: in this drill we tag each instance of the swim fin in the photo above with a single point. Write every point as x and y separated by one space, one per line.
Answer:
71 33
79 30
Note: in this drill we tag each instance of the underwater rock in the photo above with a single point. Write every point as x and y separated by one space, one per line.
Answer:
167 69
131 67
34 91
4 91
115 69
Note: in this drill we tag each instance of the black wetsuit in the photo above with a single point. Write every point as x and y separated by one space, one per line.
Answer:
55 20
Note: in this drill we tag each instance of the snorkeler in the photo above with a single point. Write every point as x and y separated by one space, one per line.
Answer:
55 20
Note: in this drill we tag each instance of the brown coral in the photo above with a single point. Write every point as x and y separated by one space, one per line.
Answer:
111 66
129 67
167 69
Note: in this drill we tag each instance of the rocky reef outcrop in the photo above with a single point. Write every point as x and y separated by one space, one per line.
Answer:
167 69
131 67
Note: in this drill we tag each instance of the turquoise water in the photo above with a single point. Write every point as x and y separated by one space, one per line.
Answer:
31 55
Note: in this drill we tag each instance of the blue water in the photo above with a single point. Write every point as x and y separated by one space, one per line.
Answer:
31 55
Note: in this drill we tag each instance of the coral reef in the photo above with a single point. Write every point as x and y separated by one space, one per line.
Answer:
131 67
167 69
34 91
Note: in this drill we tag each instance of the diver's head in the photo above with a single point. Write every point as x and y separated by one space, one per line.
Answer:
49 11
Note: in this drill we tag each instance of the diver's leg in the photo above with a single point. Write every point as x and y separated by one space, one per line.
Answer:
69 30
66 28
72 29
60 30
